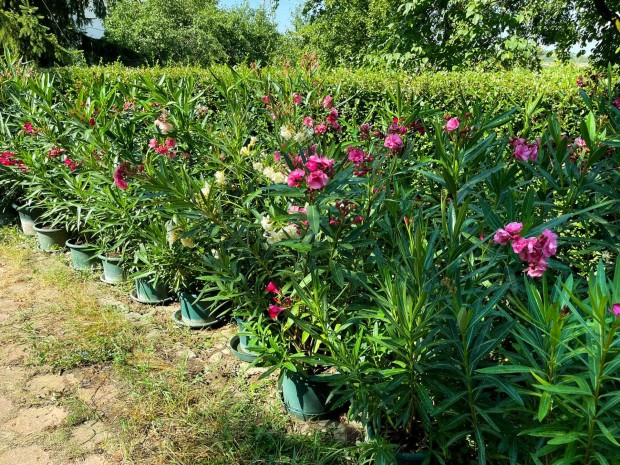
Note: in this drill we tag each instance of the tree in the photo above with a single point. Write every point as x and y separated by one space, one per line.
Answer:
448 34
46 30
191 31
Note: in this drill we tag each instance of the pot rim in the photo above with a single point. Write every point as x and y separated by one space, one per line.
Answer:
71 245
110 259
38 227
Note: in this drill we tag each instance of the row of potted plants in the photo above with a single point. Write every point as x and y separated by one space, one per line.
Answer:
402 261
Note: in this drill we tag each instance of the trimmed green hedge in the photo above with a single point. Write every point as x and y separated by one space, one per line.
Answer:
362 89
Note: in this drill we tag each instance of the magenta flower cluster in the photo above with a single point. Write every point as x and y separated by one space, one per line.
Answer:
315 173
360 159
534 250
525 151
165 148
281 302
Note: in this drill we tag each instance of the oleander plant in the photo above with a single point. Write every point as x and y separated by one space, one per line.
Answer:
452 278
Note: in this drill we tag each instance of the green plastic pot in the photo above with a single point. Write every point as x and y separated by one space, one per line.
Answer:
112 271
27 218
151 292
407 458
402 458
7 215
50 239
197 312
82 256
305 397
245 340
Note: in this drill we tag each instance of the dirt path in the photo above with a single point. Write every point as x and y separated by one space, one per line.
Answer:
40 421
88 377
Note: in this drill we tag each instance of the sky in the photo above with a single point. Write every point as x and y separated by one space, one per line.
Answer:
284 13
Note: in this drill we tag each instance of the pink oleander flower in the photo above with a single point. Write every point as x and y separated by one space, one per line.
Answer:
317 180
580 143
271 287
29 129
315 163
171 143
548 242
536 269
510 232
522 152
615 309
265 99
452 124
119 176
71 164
358 219
295 209
581 82
275 310
328 101
295 178
277 156
296 99
91 121
527 249
162 150
393 142
357 156
153 143
308 122
320 128
514 228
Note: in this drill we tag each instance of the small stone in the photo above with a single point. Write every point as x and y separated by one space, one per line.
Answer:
216 357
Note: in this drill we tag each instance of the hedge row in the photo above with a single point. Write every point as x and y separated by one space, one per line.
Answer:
361 90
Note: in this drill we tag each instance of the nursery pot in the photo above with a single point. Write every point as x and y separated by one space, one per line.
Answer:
197 312
245 339
112 271
408 458
7 215
147 291
305 397
50 238
402 458
82 256
27 217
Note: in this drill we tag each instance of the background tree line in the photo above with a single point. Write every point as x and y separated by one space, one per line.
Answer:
419 34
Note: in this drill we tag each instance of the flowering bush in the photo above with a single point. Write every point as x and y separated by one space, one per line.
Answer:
381 249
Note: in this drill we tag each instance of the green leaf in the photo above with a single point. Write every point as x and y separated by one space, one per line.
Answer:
565 438
314 219
545 405
607 433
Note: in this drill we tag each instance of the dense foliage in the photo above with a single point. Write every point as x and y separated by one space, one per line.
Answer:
191 32
456 272
362 92
455 34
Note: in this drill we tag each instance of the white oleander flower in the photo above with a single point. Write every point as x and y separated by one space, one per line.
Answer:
220 178
206 190
287 132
